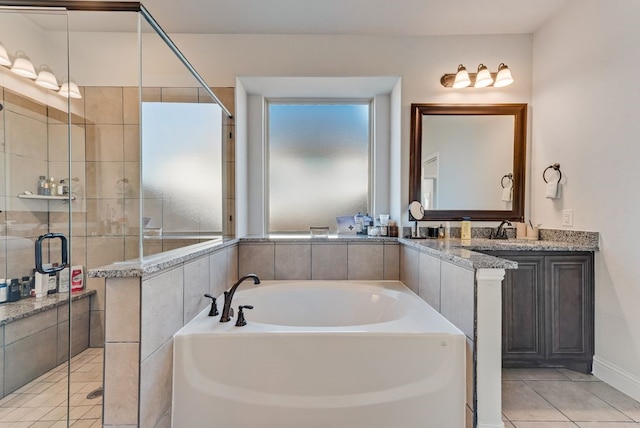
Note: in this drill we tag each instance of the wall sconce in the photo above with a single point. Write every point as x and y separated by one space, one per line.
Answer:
69 89
22 66
46 79
481 79
4 57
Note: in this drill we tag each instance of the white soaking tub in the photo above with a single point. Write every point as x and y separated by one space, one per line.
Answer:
339 354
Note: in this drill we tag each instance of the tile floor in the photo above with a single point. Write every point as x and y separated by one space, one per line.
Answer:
560 398
43 402
532 398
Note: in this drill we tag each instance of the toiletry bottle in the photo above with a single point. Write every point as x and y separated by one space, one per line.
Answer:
61 187
3 290
441 232
359 220
26 287
40 285
447 230
13 291
465 228
77 278
393 229
41 183
46 191
53 187
63 280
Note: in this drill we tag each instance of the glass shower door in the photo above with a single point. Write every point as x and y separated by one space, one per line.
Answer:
36 203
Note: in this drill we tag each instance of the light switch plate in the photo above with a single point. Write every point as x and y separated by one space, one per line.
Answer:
567 218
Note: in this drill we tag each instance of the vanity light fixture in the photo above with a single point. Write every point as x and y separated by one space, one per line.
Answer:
4 57
69 90
504 76
483 78
22 66
46 79
462 78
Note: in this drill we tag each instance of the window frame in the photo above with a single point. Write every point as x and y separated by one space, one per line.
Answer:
369 102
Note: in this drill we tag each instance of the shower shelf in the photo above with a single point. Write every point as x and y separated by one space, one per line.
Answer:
47 198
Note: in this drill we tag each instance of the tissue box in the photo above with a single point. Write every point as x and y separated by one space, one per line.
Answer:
346 225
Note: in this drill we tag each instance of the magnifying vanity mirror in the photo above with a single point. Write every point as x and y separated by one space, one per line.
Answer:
468 161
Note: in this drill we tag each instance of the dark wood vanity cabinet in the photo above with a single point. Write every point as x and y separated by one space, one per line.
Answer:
547 310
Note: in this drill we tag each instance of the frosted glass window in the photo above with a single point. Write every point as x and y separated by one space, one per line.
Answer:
182 168
318 164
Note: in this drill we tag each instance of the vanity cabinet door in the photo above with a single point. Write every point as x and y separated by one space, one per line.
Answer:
523 310
569 310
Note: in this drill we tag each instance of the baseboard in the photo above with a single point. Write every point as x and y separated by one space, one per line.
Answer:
617 377
501 425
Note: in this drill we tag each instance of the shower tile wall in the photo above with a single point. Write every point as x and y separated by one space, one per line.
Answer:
105 155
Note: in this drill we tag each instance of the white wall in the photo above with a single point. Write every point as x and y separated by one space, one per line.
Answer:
419 61
586 87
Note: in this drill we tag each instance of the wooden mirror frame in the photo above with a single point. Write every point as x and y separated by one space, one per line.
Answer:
519 111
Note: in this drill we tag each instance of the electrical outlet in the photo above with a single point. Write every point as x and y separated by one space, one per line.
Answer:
567 218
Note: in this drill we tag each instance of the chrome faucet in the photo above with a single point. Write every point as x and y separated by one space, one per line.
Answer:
228 296
500 232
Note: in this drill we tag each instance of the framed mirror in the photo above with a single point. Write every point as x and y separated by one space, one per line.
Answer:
468 160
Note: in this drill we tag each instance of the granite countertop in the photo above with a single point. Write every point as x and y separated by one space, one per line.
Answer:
463 253
13 311
158 262
307 238
469 253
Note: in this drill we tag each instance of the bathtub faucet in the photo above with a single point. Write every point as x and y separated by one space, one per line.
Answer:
228 296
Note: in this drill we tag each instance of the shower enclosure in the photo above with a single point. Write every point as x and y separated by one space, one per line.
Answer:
132 145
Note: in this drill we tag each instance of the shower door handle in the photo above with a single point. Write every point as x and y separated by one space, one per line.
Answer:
65 253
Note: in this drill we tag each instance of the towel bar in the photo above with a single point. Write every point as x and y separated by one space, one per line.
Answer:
555 166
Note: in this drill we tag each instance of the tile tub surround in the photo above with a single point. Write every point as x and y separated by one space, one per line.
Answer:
35 338
475 308
146 304
472 306
336 258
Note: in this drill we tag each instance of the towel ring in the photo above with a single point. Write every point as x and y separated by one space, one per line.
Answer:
509 176
555 166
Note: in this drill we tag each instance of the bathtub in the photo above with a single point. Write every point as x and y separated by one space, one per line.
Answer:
339 354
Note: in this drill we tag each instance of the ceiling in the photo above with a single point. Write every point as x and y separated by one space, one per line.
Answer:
354 17
363 17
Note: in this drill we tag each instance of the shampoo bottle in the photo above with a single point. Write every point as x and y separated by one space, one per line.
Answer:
3 290
465 228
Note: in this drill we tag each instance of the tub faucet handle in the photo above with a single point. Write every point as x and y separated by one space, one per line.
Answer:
241 321
214 307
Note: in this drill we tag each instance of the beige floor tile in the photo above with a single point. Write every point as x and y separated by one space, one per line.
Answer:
613 397
60 424
521 403
83 423
5 411
526 424
25 414
608 424
77 412
58 413
15 424
533 374
90 386
16 400
42 424
577 376
508 424
575 402
94 413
